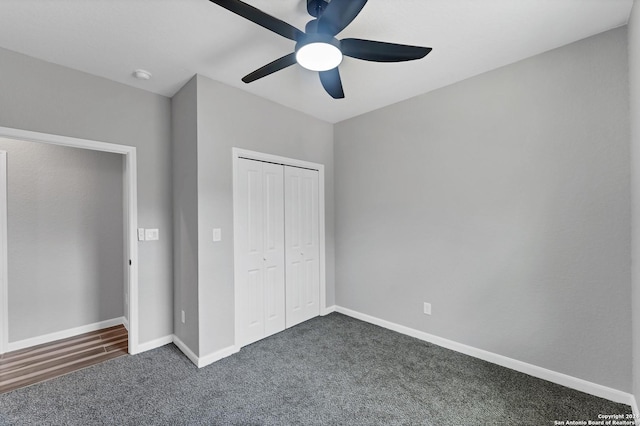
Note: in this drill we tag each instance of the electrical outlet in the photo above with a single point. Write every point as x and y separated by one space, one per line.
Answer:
427 308
183 317
217 234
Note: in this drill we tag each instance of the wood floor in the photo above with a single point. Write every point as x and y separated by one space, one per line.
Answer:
43 362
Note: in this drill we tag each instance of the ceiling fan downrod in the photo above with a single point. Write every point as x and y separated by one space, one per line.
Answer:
316 7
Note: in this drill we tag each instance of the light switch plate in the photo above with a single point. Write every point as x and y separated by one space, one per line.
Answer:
140 234
152 234
217 234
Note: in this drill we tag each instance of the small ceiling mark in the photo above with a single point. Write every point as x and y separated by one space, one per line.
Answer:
142 74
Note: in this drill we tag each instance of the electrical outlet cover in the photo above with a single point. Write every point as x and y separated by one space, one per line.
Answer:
427 308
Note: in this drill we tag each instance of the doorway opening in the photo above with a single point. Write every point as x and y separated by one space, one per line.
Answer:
129 203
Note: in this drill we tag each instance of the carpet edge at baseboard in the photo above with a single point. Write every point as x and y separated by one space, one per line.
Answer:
203 361
521 366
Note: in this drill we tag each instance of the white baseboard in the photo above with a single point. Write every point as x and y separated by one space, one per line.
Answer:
634 409
328 310
523 367
47 338
217 356
153 344
185 349
207 359
125 322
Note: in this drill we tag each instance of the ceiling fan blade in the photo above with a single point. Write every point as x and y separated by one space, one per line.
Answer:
339 14
261 18
332 83
271 67
378 51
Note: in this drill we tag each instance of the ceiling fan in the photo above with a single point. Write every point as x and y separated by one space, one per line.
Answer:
316 48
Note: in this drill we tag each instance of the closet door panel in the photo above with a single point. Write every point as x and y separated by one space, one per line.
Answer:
261 239
293 243
254 297
301 245
251 282
273 200
310 244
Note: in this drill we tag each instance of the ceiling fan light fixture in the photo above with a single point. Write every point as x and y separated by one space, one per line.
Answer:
319 56
318 52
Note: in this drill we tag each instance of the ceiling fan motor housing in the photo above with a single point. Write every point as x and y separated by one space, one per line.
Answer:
317 38
316 7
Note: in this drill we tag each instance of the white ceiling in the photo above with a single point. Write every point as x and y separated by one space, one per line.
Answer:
175 39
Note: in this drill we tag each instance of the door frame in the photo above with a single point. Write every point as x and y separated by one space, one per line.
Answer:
4 315
130 204
238 153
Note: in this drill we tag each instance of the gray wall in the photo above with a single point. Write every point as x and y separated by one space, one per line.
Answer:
634 98
65 237
44 97
184 138
504 201
228 117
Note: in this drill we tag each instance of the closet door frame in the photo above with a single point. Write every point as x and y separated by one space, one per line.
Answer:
238 153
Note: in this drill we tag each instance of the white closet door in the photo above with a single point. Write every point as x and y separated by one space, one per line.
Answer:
261 241
274 272
301 244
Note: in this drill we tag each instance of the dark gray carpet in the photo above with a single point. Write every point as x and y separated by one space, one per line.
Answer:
331 370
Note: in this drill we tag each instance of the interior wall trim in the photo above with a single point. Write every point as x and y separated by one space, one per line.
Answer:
328 310
634 409
523 367
130 203
4 285
207 359
155 343
185 349
63 334
217 356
